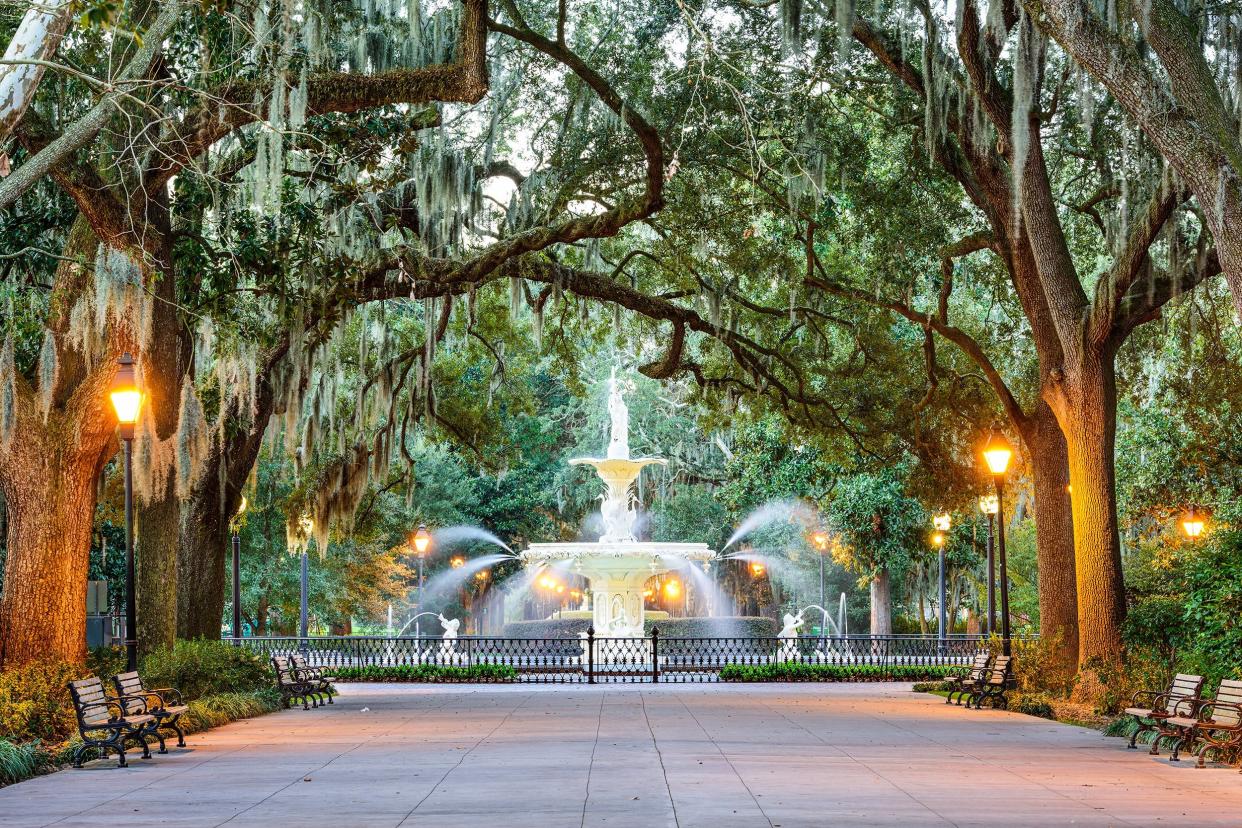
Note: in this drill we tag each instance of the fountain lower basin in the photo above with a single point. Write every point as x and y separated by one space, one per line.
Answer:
618 573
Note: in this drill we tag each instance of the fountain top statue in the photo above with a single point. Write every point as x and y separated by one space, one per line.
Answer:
618 565
617 470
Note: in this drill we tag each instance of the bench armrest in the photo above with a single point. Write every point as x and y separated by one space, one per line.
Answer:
1148 696
141 698
1209 707
167 695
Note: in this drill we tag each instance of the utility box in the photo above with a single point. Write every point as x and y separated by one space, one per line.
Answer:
97 598
99 624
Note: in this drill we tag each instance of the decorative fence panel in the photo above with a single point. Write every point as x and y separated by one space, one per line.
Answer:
598 660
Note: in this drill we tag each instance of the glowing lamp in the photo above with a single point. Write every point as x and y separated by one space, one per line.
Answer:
937 538
672 589
989 505
457 562
482 575
820 539
126 397
757 569
1192 525
560 588
421 540
997 453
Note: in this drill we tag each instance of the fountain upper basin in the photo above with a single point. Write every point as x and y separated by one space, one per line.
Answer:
658 551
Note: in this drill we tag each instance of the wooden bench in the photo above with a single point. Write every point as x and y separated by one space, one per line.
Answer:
1150 708
993 688
104 725
319 685
961 685
291 685
164 704
1217 722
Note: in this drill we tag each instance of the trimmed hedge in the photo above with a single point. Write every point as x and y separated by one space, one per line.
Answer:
478 673
734 626
796 671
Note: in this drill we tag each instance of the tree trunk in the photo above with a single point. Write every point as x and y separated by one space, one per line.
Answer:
201 561
1086 408
159 521
881 604
49 490
1054 536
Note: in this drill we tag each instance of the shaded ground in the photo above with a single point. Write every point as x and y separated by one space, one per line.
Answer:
638 755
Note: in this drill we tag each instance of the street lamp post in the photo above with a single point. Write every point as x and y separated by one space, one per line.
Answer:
988 505
997 453
942 522
235 525
820 539
127 401
421 541
308 527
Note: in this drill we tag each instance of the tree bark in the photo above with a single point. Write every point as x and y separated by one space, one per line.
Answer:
49 489
882 604
1054 535
1086 407
48 471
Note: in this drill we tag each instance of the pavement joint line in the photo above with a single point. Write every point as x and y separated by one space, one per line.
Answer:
1007 769
726 758
599 723
642 698
860 762
302 776
464 756
168 774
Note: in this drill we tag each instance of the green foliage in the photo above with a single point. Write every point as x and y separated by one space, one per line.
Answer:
35 701
206 668
20 761
476 673
1032 704
1213 620
546 628
881 524
797 671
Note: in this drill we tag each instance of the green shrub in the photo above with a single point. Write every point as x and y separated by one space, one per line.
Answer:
733 626
207 668
35 701
18 762
1032 704
477 673
546 628
797 671
105 662
931 687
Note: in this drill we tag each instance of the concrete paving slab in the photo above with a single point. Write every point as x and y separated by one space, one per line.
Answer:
615 756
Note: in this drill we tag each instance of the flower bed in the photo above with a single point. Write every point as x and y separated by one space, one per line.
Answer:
795 671
478 673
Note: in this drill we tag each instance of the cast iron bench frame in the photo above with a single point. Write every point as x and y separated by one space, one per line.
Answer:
97 713
168 706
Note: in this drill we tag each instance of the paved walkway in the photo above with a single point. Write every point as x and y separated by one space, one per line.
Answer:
642 756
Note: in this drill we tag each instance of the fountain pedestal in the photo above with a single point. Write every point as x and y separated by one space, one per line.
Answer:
617 566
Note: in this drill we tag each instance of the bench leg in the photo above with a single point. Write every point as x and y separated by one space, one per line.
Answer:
175 724
1137 732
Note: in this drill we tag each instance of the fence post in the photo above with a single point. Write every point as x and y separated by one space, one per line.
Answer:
591 654
655 654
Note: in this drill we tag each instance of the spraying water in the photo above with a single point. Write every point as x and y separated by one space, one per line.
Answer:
451 535
771 512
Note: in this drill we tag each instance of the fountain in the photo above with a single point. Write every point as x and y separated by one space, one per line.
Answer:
617 566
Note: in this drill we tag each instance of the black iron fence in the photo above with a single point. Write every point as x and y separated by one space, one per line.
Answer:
592 659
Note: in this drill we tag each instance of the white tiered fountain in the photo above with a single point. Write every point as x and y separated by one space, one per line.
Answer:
617 565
